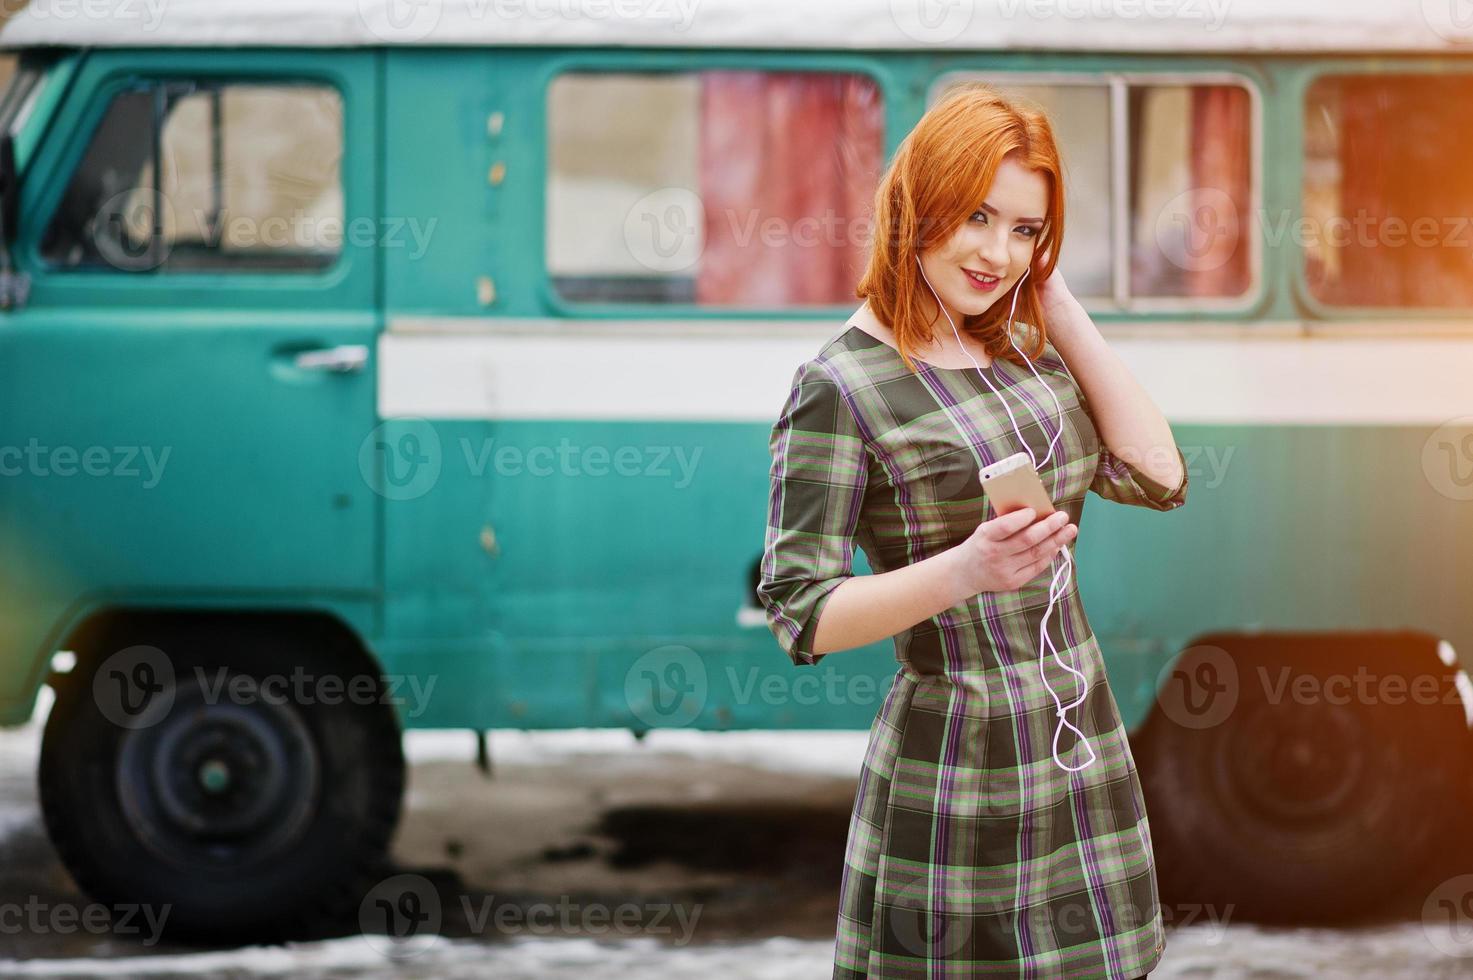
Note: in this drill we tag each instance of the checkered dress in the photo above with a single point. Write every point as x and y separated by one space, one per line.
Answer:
970 853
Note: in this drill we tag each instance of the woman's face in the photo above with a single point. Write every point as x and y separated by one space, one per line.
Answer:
989 252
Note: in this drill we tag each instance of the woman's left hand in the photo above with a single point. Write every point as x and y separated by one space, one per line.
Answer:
1053 292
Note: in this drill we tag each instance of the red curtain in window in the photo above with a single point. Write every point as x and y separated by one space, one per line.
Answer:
789 162
1367 275
1221 161
1405 190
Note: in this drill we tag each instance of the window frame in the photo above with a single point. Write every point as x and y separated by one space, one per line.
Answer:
675 63
349 286
1116 81
57 71
20 98
150 82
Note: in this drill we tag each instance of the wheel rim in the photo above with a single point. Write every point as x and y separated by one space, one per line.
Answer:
223 783
1295 767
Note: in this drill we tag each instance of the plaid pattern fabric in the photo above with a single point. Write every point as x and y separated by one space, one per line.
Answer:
970 853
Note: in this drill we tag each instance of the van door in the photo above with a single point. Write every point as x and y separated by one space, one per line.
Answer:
189 384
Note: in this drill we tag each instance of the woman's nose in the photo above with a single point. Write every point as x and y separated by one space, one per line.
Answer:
993 252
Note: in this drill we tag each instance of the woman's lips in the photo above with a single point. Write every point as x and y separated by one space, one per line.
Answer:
977 282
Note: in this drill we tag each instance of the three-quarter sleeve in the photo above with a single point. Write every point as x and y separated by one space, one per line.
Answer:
1127 484
1117 480
817 484
1123 482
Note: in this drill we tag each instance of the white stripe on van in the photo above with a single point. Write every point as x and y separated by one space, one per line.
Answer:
739 371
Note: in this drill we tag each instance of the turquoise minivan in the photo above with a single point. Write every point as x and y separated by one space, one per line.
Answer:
371 367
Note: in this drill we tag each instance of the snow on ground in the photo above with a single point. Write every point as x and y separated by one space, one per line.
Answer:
1395 953
818 752
19 750
544 959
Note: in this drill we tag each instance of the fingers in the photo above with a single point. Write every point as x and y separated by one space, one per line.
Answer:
1001 528
1026 544
1033 560
1032 570
1032 538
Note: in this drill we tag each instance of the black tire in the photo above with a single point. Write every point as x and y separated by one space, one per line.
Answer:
250 818
1295 810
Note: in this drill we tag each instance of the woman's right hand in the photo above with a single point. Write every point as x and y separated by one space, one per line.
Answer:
1007 552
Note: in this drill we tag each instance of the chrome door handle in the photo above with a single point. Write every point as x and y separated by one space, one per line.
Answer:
341 359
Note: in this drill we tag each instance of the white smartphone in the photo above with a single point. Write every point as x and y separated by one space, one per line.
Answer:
1012 484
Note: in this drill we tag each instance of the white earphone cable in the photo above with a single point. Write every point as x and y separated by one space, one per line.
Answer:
1059 581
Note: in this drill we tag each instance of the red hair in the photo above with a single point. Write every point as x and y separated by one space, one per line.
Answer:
938 178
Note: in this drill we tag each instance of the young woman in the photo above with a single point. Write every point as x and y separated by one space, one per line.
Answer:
998 824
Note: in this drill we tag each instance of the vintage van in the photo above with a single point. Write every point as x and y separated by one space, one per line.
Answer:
373 366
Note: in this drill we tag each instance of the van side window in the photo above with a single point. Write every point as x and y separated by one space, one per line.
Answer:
720 188
1158 183
185 176
1386 191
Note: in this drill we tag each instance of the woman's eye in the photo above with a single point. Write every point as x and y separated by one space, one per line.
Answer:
1028 230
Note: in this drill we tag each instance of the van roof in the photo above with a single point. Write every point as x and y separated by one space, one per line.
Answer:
1063 25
